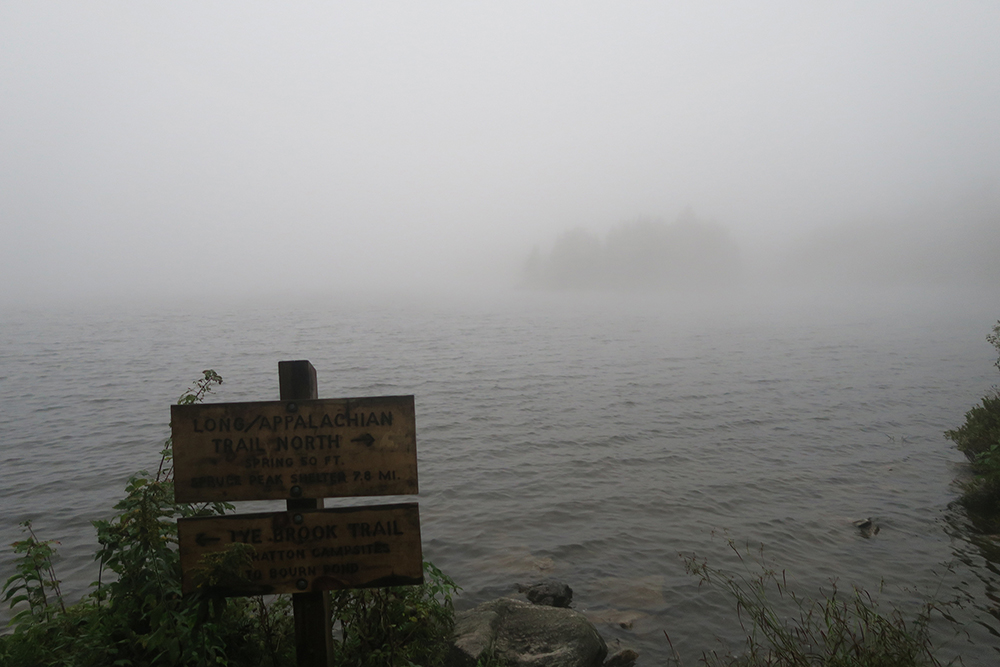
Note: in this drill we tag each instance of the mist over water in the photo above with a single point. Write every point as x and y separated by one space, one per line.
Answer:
181 151
655 274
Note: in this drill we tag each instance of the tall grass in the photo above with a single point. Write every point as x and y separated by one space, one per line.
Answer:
784 629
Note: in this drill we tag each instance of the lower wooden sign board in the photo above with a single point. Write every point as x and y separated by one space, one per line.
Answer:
324 448
299 551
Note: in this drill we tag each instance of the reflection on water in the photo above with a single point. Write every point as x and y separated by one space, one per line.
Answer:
978 552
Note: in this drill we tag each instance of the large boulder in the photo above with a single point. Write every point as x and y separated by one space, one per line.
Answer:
526 635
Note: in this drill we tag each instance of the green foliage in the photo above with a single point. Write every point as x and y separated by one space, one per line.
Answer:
202 388
136 614
979 436
34 575
994 340
979 439
396 627
786 630
267 631
491 658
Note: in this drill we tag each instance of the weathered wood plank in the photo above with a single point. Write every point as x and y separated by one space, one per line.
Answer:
294 449
311 611
309 550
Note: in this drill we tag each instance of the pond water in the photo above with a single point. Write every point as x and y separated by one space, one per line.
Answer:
597 439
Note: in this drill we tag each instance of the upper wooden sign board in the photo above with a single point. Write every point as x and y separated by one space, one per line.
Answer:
322 448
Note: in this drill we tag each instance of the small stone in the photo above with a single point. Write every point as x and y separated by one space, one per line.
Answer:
550 594
867 527
623 658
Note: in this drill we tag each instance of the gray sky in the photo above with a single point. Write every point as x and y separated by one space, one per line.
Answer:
164 148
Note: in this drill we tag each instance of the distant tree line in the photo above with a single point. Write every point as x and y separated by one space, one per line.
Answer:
642 254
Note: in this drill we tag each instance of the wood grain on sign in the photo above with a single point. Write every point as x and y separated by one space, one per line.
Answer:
308 550
322 448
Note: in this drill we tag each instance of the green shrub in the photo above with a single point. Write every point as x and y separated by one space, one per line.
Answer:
388 627
994 340
136 614
978 438
34 575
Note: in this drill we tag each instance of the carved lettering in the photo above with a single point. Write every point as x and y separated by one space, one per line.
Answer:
265 480
286 572
277 554
351 550
350 446
270 462
372 530
214 481
309 442
338 477
248 536
300 534
340 568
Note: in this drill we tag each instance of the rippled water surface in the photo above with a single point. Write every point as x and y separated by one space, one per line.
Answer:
591 439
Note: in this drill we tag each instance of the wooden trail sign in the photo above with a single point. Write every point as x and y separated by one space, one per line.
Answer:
301 449
294 449
310 550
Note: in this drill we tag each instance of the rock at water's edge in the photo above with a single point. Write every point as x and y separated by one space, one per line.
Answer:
526 635
550 593
624 658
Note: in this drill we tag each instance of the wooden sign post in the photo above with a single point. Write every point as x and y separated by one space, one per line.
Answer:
311 611
302 449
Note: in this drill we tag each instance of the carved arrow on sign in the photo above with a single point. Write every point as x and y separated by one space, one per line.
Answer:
365 439
203 540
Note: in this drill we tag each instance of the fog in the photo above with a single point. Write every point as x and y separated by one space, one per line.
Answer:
233 149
